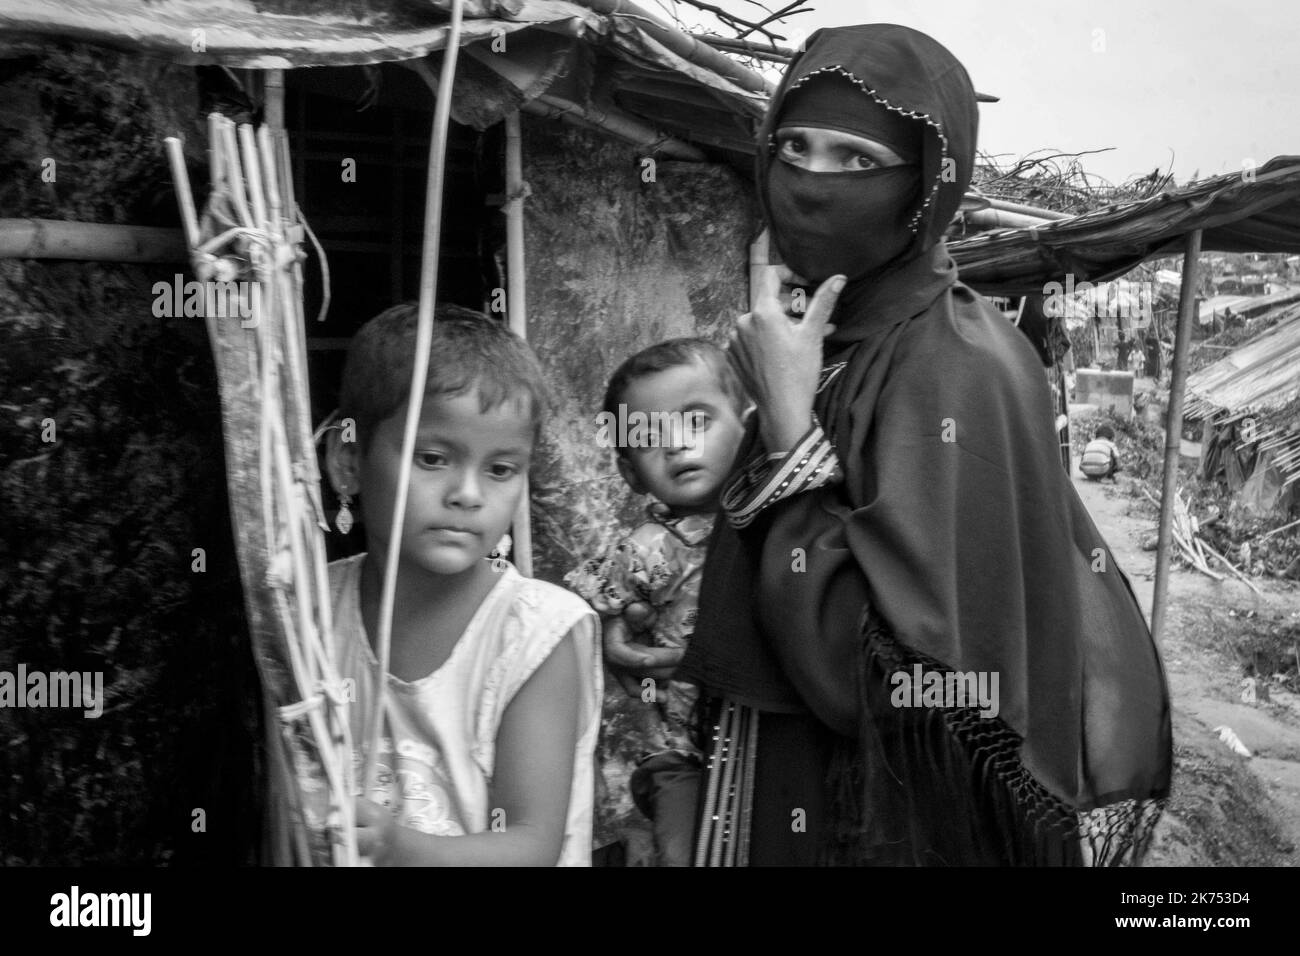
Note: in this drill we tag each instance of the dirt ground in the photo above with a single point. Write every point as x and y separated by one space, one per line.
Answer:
1226 809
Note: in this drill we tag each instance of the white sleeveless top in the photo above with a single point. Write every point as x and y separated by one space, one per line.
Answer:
438 747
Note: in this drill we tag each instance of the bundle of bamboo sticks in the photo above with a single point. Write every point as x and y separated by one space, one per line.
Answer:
250 235
1193 548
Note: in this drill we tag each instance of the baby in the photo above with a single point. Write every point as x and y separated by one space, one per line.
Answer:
695 406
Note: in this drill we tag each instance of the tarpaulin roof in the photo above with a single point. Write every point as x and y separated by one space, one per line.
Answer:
1254 211
654 71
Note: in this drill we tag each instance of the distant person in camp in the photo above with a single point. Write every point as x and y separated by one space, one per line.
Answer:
1151 344
494 684
899 526
1100 457
650 580
1122 351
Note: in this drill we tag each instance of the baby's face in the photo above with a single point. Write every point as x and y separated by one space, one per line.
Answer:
466 479
697 439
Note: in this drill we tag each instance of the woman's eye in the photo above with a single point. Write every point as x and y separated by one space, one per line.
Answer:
430 459
863 161
790 147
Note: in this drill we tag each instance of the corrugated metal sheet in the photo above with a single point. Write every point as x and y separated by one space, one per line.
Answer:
1245 386
1261 375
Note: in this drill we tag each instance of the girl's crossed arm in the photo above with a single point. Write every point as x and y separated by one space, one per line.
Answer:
529 798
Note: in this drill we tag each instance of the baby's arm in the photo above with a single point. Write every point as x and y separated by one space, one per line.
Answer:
529 799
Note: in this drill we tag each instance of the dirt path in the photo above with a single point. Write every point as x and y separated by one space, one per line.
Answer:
1226 810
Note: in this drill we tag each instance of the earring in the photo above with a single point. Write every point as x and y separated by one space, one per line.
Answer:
343 520
499 554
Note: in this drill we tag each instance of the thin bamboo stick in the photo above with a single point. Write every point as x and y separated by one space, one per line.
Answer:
1233 568
1284 527
419 374
517 309
215 169
184 196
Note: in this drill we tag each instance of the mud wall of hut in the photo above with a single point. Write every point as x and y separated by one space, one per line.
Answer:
111 476
620 255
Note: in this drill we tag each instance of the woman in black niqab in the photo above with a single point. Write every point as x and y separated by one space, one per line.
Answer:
937 536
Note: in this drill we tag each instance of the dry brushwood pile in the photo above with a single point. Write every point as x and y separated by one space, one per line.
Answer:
1058 181
1214 528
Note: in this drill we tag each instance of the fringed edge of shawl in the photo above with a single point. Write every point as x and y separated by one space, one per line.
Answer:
943 786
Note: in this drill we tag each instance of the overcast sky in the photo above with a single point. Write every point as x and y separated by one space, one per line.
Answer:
1204 85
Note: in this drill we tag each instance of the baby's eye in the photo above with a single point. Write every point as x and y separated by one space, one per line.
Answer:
430 459
503 471
697 421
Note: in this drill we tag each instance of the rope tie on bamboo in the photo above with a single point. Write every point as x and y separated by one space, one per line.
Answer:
336 690
525 191
296 711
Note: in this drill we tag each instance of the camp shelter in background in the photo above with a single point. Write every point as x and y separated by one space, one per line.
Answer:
1249 405
1257 210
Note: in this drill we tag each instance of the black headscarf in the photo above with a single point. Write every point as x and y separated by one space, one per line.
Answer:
955 542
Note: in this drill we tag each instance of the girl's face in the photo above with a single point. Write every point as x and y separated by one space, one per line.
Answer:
820 150
467 478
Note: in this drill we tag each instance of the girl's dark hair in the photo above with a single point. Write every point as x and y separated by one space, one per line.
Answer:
674 353
1106 432
469 351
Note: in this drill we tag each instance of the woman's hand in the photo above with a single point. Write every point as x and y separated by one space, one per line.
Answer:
778 355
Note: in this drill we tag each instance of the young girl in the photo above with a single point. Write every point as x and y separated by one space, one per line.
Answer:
493 696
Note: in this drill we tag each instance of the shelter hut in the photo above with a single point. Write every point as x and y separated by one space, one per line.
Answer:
1248 403
591 200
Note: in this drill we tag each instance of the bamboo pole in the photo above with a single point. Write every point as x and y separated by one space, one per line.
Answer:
685 45
1174 430
419 375
89 241
616 123
271 470
517 308
274 87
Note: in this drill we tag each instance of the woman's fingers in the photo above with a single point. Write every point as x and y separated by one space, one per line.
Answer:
769 289
789 277
738 352
823 303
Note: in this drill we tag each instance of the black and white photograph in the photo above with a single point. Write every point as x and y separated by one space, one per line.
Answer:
650 433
